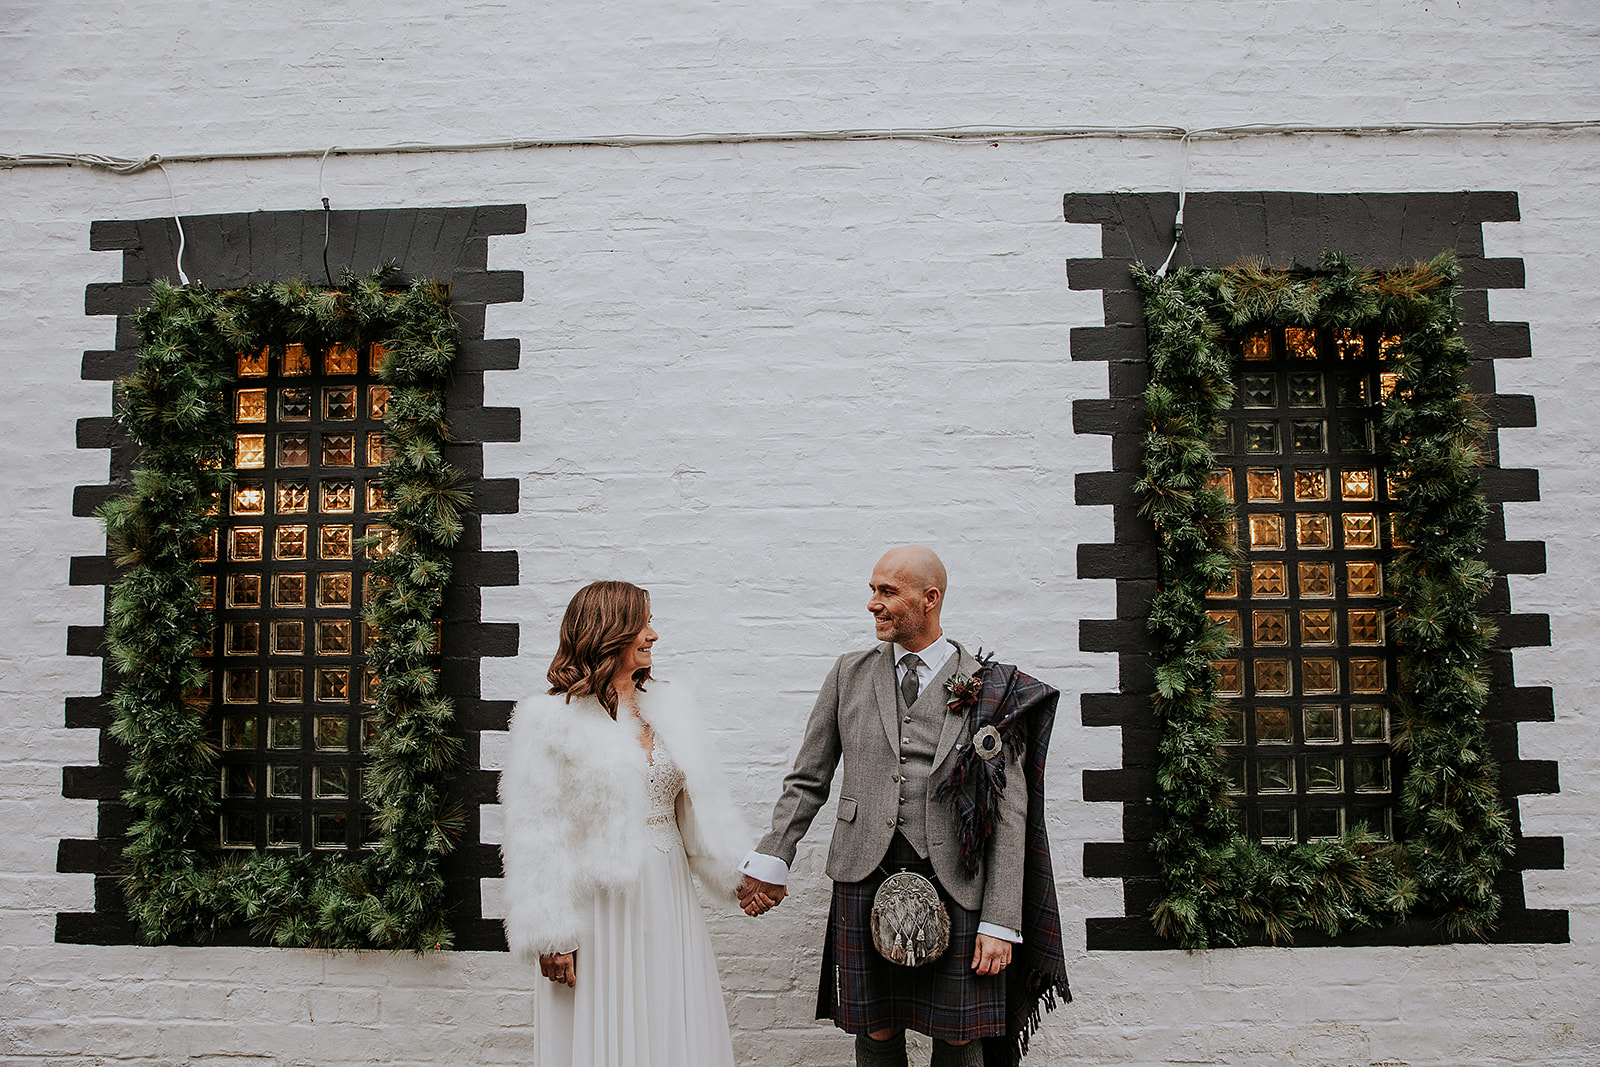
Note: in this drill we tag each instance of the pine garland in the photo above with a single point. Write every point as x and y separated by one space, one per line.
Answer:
175 407
1218 886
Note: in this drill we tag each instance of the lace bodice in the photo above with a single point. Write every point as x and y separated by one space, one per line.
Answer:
662 787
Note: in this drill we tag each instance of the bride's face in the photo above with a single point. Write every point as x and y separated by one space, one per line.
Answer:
636 657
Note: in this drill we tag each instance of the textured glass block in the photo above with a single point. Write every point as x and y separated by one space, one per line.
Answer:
1267 580
283 828
1266 531
1272 677
333 637
378 500
288 685
333 732
283 731
244 543
252 364
369 731
339 403
249 451
1319 675
373 585
1228 590
1272 726
250 405
296 361
338 496
1263 484
1300 342
1258 390
1367 676
294 405
1310 483
1312 530
1388 382
208 590
1360 531
341 359
338 450
1275 774
377 402
239 780
244 590
1270 628
330 780
1364 627
1355 435
331 829
377 448
1308 435
1324 774
1305 390
1353 391
1369 722
1229 621
204 647
1278 825
1261 438
1363 579
1397 537
333 685
1232 726
383 540
1316 627
1257 347
1369 774
205 547
1324 824
335 541
1230 677
294 450
1348 344
239 685
1321 722
1389 346
239 733
238 829
289 542
1233 771
1356 484
1222 437
201 696
288 590
249 499
294 497
369 636
241 638
333 589
377 355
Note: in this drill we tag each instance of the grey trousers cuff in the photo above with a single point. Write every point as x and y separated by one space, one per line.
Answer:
890 1053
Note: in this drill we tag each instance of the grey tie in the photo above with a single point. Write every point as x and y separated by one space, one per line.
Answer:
909 685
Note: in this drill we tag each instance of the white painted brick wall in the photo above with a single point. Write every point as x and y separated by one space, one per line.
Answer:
716 343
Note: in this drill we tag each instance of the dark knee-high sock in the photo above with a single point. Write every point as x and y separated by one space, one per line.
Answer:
948 1055
890 1053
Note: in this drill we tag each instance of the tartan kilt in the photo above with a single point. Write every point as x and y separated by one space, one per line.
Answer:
863 993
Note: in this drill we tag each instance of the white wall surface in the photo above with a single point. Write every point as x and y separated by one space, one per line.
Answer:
747 370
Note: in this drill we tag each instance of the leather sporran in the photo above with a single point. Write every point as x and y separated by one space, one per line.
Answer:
910 925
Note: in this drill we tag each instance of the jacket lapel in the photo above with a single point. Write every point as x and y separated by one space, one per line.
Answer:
883 692
954 725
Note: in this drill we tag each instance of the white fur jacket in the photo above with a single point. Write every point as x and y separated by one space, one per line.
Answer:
573 790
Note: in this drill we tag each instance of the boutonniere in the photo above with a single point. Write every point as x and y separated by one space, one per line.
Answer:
964 689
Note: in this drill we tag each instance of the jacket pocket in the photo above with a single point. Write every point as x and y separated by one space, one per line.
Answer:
847 810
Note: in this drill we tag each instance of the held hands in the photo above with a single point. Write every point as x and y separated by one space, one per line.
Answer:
992 956
561 968
757 897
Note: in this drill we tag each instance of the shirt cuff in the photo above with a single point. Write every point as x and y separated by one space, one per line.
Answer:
1004 933
763 868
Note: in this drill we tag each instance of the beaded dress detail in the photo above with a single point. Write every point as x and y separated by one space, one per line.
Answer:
661 799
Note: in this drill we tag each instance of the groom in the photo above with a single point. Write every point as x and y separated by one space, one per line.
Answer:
918 795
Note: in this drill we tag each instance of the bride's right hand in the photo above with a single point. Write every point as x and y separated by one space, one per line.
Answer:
561 968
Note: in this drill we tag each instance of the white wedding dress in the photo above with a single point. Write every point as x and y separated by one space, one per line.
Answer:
648 993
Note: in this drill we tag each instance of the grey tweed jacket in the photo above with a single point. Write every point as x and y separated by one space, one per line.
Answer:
856 722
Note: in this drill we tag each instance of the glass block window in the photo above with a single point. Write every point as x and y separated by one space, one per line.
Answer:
1306 688
289 687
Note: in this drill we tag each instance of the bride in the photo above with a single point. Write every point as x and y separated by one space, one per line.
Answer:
611 794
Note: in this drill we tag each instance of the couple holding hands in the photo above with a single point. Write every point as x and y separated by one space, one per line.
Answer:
944 916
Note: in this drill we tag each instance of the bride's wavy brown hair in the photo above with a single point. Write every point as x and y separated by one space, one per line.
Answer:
601 621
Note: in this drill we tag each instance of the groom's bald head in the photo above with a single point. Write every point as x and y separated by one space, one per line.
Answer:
908 587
